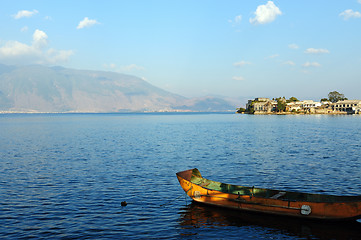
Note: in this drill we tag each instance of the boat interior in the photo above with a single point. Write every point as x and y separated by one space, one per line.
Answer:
195 177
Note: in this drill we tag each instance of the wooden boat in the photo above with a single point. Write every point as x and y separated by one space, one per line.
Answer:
303 205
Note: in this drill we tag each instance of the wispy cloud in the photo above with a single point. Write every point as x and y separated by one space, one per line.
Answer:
241 63
25 13
293 46
236 20
311 64
14 52
291 63
24 29
126 68
349 13
265 13
54 56
316 51
110 65
131 67
238 78
272 56
86 22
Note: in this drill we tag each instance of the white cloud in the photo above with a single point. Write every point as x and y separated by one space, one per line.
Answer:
110 65
54 56
291 63
293 46
240 64
265 13
349 13
24 29
238 19
272 56
127 68
238 78
86 22
311 64
14 49
131 67
25 13
359 1
40 39
14 52
316 51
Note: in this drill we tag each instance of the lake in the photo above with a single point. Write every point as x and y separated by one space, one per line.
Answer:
64 176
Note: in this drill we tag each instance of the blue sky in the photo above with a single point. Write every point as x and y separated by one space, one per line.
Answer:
298 48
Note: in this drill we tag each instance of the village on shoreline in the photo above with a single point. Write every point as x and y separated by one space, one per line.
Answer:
335 104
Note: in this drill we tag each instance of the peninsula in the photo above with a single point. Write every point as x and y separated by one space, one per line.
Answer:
336 103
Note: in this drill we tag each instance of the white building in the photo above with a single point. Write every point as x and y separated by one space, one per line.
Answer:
349 106
310 104
302 105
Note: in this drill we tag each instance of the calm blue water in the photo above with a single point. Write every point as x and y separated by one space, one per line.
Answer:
63 176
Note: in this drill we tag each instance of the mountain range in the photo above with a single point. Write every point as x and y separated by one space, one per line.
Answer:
37 88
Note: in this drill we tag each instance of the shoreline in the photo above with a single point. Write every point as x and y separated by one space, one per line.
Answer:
292 113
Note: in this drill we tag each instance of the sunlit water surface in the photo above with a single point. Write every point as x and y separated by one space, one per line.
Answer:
63 176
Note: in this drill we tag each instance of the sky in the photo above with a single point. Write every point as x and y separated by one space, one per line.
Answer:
237 49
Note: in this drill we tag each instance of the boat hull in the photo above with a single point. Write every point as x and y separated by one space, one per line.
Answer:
334 211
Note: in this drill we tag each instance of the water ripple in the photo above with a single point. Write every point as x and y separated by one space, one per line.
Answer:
64 176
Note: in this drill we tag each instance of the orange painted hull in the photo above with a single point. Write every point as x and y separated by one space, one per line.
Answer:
303 205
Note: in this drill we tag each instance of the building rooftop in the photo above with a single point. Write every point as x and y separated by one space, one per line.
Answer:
348 102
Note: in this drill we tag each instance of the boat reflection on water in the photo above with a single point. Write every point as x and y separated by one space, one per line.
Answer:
206 221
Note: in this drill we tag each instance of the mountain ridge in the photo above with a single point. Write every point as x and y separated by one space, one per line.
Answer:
37 88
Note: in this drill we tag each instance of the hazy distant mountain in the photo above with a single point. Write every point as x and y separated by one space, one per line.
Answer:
38 88
208 104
